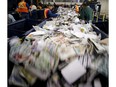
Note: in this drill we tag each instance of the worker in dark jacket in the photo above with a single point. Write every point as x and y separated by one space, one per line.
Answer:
86 13
40 6
33 12
48 13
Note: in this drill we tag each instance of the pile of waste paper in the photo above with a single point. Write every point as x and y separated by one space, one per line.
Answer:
65 52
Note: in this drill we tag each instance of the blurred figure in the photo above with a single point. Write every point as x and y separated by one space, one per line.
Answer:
55 8
33 12
86 13
23 9
77 8
48 13
10 19
55 5
40 6
33 7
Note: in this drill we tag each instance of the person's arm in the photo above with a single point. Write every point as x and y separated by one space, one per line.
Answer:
91 15
82 14
11 17
27 5
50 14
16 8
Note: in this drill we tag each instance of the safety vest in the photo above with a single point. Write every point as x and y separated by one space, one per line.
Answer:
22 7
77 8
46 13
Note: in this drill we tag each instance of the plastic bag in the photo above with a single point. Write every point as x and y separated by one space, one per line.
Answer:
21 52
16 79
100 64
29 77
65 52
51 48
42 65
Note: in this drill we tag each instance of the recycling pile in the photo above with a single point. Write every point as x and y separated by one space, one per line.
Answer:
61 52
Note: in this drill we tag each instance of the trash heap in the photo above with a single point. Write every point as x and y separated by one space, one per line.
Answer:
65 52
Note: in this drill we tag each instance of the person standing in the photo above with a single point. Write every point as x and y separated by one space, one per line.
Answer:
86 13
23 9
40 6
33 12
48 13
